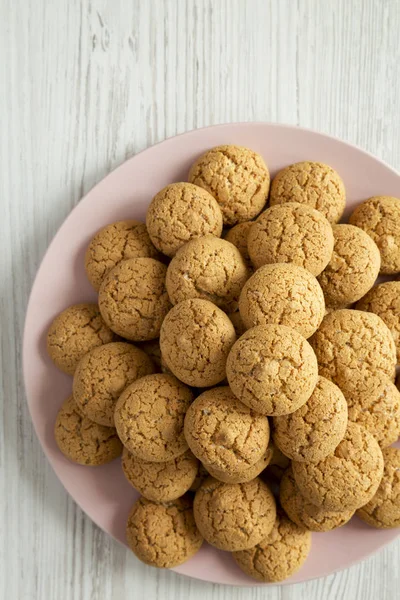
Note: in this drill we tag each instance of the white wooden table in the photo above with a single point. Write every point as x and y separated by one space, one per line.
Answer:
84 84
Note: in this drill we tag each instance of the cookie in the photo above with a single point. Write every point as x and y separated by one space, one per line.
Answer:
283 294
224 433
103 374
238 236
384 301
242 476
196 337
75 331
149 417
279 555
201 476
207 268
380 218
113 244
346 479
313 431
353 343
291 233
383 510
133 300
277 465
83 441
353 268
304 513
234 516
163 535
181 212
237 322
153 351
311 183
272 369
237 177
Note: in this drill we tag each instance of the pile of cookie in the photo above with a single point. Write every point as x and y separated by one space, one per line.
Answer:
257 402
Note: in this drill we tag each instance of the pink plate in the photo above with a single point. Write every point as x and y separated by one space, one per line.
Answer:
102 492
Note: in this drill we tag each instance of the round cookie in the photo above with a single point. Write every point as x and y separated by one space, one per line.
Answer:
133 299
283 294
103 374
304 513
242 476
201 476
380 218
113 244
237 177
75 331
196 337
281 554
291 233
352 343
153 351
237 322
311 183
149 417
163 534
346 479
207 268
383 510
313 431
234 516
277 465
238 236
353 268
180 212
83 441
384 301
224 433
272 369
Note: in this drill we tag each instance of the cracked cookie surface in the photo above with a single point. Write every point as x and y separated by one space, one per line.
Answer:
238 236
242 476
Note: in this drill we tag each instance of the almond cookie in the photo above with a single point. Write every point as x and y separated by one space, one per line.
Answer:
113 244
384 301
283 294
303 513
272 369
352 343
237 177
149 417
75 331
195 341
83 441
291 233
279 555
133 299
383 510
234 516
179 213
163 535
207 268
348 478
238 236
380 218
311 183
224 433
242 476
313 431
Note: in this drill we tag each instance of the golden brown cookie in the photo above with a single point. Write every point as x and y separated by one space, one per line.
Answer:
380 218
153 351
272 369
383 510
201 476
103 374
237 322
224 433
291 233
242 476
234 516
277 465
75 331
238 236
311 183
283 294
113 244
196 337
149 417
163 535
281 554
313 431
83 441
237 177
181 212
346 479
133 299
